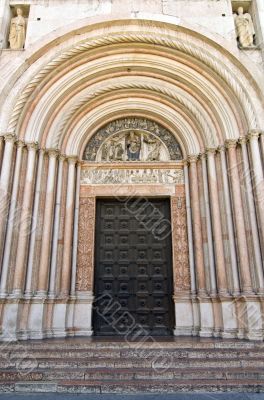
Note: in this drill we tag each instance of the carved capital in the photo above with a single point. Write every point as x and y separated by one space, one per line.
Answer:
20 143
231 143
32 146
221 148
72 159
253 135
193 158
62 157
242 140
211 150
10 137
52 152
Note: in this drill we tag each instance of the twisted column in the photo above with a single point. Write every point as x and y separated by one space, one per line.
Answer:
25 221
47 225
12 218
209 227
258 177
216 219
54 254
68 232
239 218
197 226
230 224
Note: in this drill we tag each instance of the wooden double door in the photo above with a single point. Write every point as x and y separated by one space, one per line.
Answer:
133 268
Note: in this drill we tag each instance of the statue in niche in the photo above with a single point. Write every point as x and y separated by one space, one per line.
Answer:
17 35
244 28
133 144
153 149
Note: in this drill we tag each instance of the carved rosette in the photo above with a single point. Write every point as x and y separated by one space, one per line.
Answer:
85 255
181 269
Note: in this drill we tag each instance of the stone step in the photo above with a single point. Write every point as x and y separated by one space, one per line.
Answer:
130 374
157 362
139 386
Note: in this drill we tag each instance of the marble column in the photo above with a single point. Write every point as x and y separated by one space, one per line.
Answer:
44 266
2 146
32 244
25 222
209 228
75 232
258 177
68 231
4 186
262 145
12 218
216 220
54 254
230 224
242 245
197 227
252 216
189 227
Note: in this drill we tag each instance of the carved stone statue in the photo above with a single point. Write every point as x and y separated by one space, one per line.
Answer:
133 146
244 28
154 149
119 152
17 35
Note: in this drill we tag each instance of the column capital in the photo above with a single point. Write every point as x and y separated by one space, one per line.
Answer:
253 134
193 158
185 162
231 143
243 140
221 148
210 150
20 143
32 146
52 152
10 137
62 157
72 159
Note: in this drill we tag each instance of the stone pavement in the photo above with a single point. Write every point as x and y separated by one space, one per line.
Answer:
179 396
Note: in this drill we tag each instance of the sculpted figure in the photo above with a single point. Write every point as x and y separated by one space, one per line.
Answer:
119 152
104 152
17 35
244 28
133 147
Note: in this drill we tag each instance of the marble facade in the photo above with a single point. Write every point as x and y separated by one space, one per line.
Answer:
176 78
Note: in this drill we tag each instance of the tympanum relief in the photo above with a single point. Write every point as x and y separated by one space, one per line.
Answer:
132 139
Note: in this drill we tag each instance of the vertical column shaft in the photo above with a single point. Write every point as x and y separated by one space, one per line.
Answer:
197 227
75 232
189 227
25 221
239 218
68 232
47 225
209 227
53 269
32 244
12 218
216 219
230 225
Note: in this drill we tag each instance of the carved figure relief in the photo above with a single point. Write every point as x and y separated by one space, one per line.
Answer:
17 35
180 243
133 139
85 255
244 28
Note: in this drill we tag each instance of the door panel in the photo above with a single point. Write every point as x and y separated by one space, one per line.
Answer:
133 268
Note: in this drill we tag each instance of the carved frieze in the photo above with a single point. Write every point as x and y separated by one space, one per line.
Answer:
95 176
180 244
132 139
85 260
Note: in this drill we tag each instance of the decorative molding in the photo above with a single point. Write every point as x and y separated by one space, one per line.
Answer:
191 49
133 124
95 176
182 281
85 252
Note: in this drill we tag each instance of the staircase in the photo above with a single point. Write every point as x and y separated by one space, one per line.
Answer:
89 365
